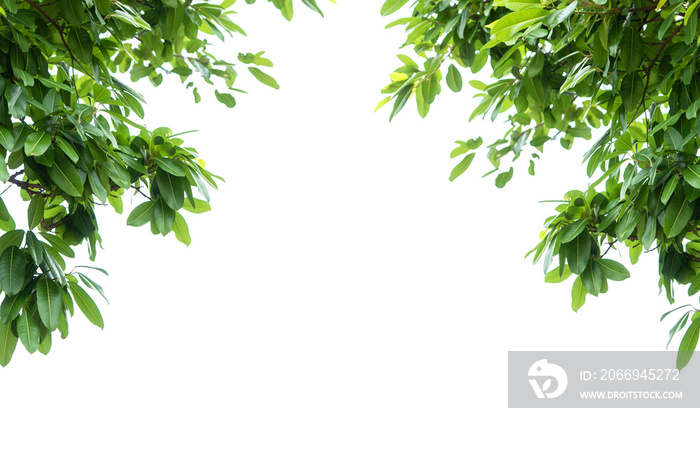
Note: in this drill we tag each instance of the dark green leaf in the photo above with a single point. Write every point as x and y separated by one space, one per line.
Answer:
66 176
28 331
12 265
632 90
578 251
678 214
631 50
171 188
80 43
72 11
8 343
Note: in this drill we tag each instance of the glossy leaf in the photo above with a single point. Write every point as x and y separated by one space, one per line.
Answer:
142 214
677 215
578 252
49 302
66 176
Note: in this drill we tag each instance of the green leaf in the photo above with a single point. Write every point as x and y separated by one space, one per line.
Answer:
142 214
181 230
49 301
92 284
392 6
688 345
8 343
171 188
12 264
632 90
66 176
578 294
72 11
312 4
592 278
225 98
163 217
11 238
174 167
692 176
613 270
55 268
7 140
263 77
454 79
68 149
678 214
503 178
63 325
578 251
631 50
669 189
37 143
462 166
35 211
35 248
28 331
401 98
504 28
694 285
80 44
553 276
86 305
198 208
45 345
59 244
569 232
11 307
559 16
677 327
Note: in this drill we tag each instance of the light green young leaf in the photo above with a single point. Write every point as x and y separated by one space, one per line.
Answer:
263 77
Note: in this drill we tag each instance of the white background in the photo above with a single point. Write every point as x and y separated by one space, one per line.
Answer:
343 303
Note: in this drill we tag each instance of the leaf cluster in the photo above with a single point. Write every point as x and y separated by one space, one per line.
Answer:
562 71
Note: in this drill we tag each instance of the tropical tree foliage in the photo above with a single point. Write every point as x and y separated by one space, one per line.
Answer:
72 142
561 71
